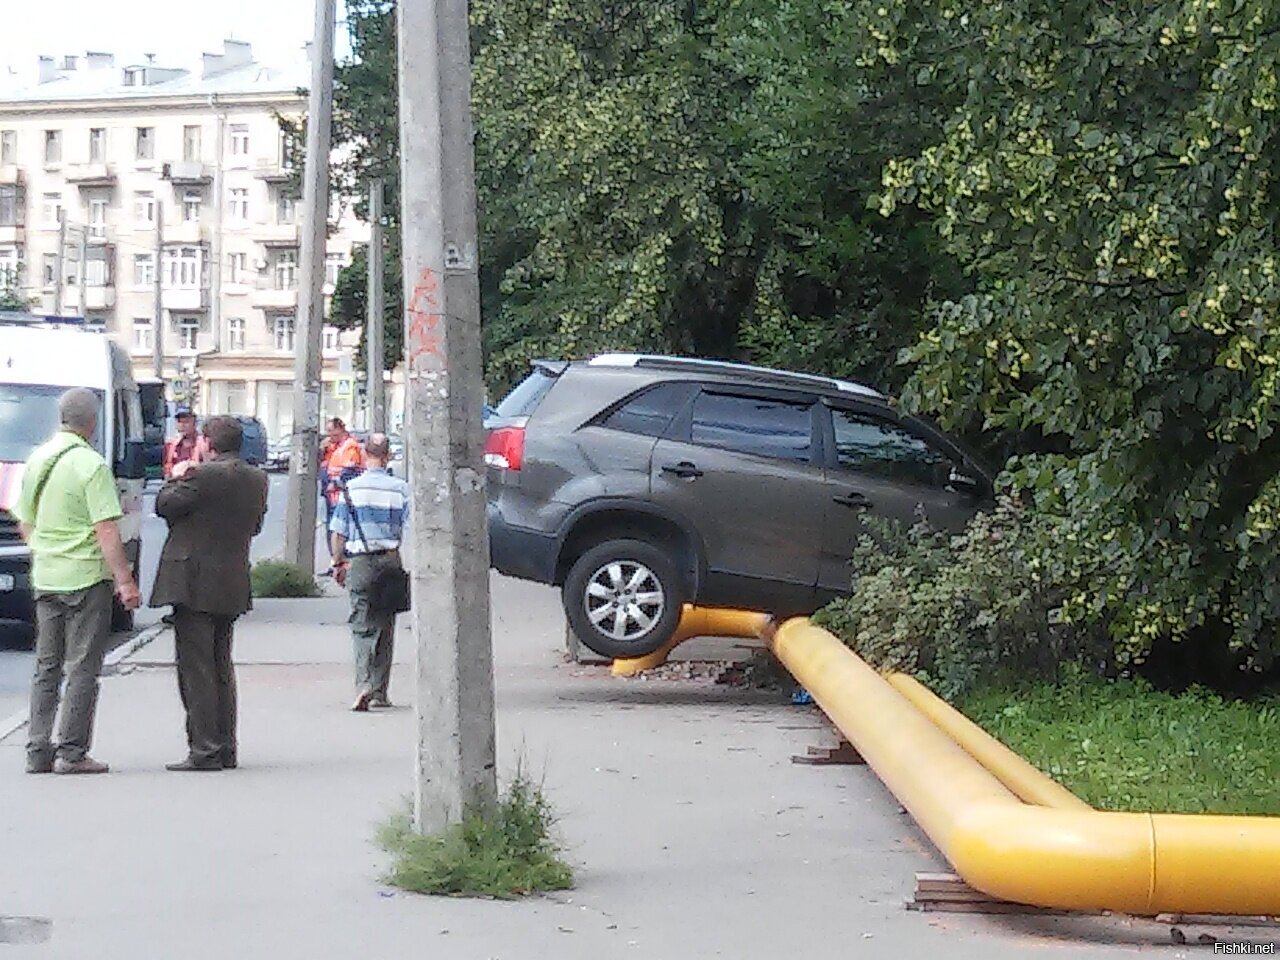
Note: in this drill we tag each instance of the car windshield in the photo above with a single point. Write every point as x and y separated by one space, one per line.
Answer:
29 417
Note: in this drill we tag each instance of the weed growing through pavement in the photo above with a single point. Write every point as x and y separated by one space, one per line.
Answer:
506 852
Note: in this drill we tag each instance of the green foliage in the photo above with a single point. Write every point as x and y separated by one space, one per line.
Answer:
350 305
1121 745
955 609
276 578
507 852
1110 179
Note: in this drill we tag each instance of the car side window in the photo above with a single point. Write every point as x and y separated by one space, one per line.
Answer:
886 450
780 429
650 413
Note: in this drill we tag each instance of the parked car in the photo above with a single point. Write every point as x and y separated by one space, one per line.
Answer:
638 484
253 448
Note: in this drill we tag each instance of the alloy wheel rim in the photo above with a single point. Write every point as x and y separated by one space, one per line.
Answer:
624 600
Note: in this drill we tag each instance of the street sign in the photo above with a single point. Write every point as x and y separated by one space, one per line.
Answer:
342 388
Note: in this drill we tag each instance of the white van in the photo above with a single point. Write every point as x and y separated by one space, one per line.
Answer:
39 361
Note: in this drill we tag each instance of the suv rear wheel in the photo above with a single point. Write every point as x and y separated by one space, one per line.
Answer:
624 598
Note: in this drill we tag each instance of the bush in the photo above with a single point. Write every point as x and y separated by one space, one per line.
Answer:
957 610
505 852
275 578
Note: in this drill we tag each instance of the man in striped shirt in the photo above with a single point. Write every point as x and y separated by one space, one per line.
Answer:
366 530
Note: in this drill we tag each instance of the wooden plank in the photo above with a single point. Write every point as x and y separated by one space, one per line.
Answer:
989 906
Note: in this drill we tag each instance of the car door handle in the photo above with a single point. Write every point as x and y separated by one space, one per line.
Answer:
684 469
855 501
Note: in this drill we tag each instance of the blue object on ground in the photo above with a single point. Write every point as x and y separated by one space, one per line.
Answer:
802 697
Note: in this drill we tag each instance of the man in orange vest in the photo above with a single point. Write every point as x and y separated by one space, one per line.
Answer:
188 447
346 460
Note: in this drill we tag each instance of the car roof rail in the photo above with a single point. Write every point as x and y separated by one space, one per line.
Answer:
695 364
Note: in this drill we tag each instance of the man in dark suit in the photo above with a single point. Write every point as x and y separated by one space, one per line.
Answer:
214 510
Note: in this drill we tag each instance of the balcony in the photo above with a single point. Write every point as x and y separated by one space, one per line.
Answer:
272 172
186 232
276 234
87 175
272 299
11 173
187 173
185 299
99 297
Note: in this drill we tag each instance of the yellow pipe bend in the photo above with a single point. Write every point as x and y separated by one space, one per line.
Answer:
1046 856
1023 779
695 622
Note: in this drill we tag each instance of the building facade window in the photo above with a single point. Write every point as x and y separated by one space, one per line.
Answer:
237 397
191 201
10 268
287 270
8 147
143 335
98 217
239 204
11 206
239 139
51 210
97 268
189 334
238 268
235 334
191 144
53 146
288 151
49 270
144 207
332 340
98 145
146 145
144 270
333 264
286 209
184 268
283 328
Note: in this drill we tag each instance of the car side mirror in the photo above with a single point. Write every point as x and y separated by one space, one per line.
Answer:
133 465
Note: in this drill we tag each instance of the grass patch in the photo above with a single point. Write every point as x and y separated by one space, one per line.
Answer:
507 854
1122 745
275 578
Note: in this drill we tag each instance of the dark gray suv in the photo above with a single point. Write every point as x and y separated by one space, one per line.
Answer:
639 483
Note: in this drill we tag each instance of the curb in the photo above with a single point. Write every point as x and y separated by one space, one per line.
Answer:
12 724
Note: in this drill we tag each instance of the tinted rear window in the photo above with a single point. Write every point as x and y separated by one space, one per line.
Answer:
650 413
766 428
524 399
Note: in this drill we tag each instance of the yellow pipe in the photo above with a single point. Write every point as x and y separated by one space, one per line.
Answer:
1023 779
1046 856
695 622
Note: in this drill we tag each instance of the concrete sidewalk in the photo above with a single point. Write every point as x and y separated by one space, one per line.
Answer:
692 833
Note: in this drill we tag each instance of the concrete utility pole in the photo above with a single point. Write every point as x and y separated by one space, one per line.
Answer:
300 524
377 314
450 550
60 264
82 270
157 322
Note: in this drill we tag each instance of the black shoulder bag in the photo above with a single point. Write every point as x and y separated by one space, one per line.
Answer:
389 591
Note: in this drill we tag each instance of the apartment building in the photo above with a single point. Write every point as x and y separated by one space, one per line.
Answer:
114 174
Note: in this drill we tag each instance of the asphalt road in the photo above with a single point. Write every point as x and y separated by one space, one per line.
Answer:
15 665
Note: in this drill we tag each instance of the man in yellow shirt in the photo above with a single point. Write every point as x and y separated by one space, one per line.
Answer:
67 512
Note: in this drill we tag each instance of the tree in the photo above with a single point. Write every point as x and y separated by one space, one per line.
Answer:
1111 179
349 309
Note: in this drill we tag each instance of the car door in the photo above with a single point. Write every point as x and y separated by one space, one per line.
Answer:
891 467
743 467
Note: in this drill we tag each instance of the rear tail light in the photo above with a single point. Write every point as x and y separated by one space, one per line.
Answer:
505 448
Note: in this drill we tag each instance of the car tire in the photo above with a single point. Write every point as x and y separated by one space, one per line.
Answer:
614 618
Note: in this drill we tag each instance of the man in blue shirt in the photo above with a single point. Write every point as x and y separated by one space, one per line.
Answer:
366 530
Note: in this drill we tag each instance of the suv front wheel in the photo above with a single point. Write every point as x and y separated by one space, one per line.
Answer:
624 598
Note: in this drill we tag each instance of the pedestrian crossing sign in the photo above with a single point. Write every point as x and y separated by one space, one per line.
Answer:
342 388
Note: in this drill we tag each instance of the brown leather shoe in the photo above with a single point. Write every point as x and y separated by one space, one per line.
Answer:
83 765
362 702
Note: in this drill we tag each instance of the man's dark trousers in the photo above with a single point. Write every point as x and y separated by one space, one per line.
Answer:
207 683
